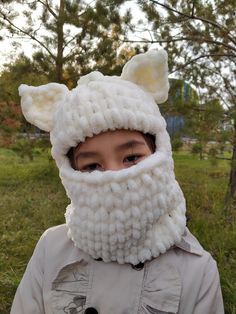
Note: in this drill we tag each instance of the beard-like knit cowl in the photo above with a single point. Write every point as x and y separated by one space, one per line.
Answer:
128 216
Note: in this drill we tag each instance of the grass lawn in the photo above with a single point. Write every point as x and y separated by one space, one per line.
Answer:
33 199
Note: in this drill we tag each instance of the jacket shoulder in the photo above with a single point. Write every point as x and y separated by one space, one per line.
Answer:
59 231
59 248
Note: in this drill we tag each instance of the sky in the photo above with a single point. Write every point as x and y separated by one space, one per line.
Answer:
8 51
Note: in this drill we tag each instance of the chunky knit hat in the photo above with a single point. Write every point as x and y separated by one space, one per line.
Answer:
130 215
101 103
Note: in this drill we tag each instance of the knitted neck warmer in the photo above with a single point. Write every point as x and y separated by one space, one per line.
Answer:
128 216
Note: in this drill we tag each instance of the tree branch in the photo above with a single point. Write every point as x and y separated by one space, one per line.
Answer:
197 39
47 6
69 41
27 34
193 7
194 17
201 57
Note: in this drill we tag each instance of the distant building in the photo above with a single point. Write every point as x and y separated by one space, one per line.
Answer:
174 124
181 96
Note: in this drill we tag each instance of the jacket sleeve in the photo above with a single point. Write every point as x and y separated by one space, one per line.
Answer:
210 299
28 297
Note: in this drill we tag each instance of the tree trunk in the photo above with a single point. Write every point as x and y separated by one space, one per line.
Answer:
230 199
60 42
201 149
232 182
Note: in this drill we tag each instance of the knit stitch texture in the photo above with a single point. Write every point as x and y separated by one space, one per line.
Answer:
130 215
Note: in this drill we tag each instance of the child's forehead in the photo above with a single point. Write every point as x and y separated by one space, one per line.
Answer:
111 137
115 133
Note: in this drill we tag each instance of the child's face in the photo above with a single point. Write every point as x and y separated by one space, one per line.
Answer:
111 150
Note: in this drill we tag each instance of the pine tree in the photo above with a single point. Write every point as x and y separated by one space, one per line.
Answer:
71 37
200 37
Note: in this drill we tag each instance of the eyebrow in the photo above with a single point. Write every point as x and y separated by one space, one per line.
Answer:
86 154
127 145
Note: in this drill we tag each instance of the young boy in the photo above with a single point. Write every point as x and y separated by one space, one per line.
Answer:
125 247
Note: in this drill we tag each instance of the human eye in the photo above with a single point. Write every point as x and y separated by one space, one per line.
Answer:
132 159
91 167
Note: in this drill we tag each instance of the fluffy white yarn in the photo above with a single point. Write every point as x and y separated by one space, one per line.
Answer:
128 216
100 103
131 215
39 103
149 71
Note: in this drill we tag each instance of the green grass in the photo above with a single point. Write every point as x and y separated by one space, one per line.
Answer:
32 199
204 186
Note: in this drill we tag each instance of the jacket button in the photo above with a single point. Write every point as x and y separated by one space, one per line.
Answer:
90 310
139 266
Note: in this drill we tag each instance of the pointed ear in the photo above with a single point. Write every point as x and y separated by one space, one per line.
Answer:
39 103
150 71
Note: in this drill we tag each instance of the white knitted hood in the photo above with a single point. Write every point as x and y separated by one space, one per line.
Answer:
129 215
100 103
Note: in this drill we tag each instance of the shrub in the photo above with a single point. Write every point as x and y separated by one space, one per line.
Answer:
197 148
30 147
213 155
176 144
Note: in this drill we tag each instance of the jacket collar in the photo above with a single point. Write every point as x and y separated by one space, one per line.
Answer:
74 255
190 244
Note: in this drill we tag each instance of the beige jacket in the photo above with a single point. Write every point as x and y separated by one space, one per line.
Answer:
62 279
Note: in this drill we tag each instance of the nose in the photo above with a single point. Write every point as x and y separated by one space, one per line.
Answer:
113 165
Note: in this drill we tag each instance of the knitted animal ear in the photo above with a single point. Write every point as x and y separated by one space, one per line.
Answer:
39 103
150 71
